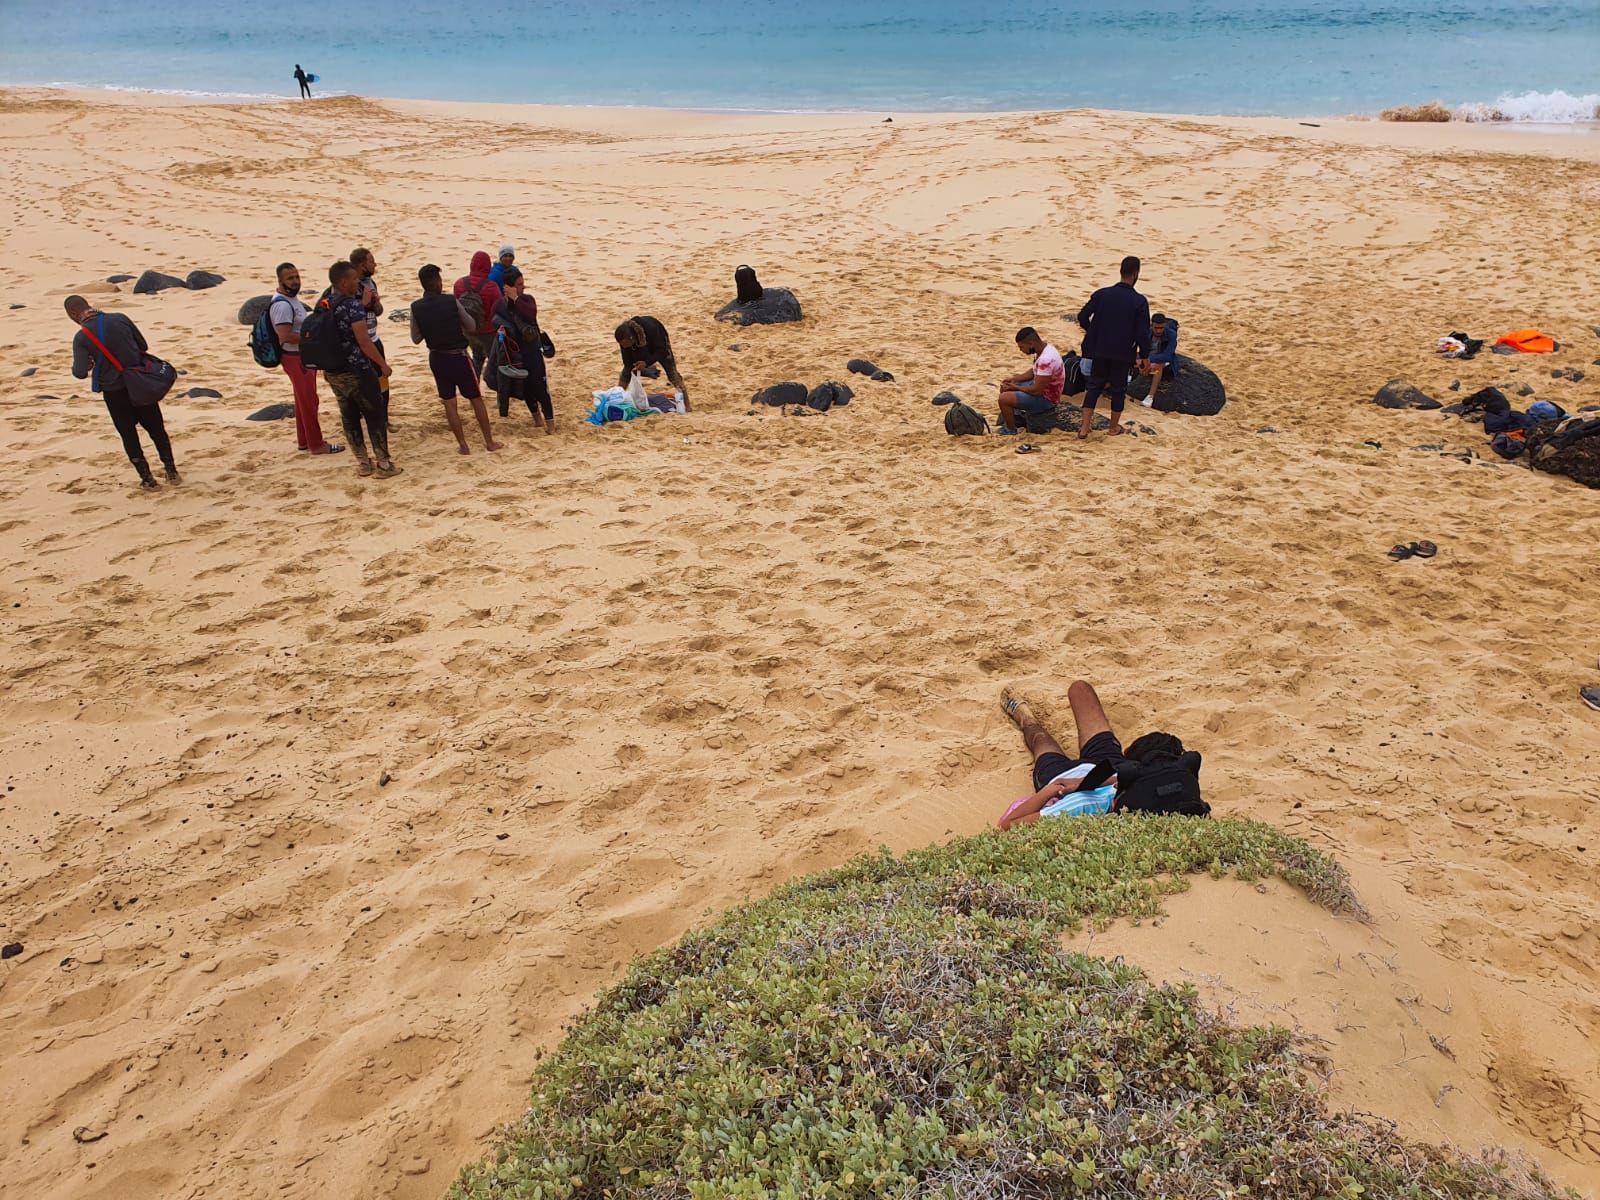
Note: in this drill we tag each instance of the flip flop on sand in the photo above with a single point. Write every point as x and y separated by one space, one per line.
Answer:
1027 448
1014 706
1590 696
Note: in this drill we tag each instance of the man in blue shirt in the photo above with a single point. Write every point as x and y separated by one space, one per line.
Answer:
1163 362
507 259
1116 339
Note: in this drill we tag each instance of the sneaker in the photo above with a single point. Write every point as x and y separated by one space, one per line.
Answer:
1148 402
1004 432
1590 696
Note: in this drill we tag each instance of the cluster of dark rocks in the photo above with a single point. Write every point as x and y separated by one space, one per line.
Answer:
155 281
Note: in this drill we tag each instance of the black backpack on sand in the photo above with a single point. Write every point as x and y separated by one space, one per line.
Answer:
321 348
960 419
1164 785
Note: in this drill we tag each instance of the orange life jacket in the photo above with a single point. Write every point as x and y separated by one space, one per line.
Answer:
1529 341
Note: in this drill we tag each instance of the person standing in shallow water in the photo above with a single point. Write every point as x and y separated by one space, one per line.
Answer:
303 80
104 343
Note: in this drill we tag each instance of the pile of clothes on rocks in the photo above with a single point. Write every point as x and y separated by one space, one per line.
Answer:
1545 435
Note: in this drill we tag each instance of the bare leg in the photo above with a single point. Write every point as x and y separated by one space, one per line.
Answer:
452 414
1008 410
1034 735
1155 374
1088 423
669 364
1087 713
482 413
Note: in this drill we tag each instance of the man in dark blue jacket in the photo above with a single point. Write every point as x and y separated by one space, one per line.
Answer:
1116 340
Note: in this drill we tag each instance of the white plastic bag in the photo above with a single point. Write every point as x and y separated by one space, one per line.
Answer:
637 395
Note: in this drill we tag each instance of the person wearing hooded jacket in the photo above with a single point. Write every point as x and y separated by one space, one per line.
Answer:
487 291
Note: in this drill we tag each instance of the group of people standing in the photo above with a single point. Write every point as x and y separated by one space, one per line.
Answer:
1120 340
484 331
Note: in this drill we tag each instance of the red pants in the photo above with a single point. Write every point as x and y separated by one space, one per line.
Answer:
307 432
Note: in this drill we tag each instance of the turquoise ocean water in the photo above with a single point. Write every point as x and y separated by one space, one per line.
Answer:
1535 59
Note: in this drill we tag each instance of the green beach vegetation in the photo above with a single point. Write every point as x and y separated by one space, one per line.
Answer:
912 1027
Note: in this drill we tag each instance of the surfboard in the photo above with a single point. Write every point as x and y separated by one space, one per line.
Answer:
313 78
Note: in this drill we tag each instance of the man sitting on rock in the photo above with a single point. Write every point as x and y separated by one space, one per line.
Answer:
1155 775
1037 390
1163 360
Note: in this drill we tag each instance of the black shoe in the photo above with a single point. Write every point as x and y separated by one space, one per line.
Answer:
171 473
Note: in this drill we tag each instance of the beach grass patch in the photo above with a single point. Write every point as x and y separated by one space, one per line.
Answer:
912 1027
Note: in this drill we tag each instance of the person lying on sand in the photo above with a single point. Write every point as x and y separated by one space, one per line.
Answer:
1037 390
1155 775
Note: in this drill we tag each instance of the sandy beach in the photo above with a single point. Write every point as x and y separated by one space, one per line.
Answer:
328 800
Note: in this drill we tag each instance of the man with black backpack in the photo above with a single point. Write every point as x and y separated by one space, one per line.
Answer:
286 314
1155 775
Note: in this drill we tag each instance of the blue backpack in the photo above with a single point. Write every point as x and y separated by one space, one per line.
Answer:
264 344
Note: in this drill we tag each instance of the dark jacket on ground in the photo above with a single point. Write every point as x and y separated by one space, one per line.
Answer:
121 336
1116 324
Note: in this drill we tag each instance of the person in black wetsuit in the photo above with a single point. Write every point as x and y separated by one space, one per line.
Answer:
303 80
644 340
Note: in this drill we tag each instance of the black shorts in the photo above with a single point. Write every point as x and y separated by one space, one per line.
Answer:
1101 748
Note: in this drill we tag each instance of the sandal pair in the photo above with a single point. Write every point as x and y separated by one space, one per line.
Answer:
1413 550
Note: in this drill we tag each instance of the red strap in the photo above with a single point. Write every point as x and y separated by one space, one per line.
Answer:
110 357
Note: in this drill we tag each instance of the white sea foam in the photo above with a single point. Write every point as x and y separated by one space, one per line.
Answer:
1549 108
185 93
